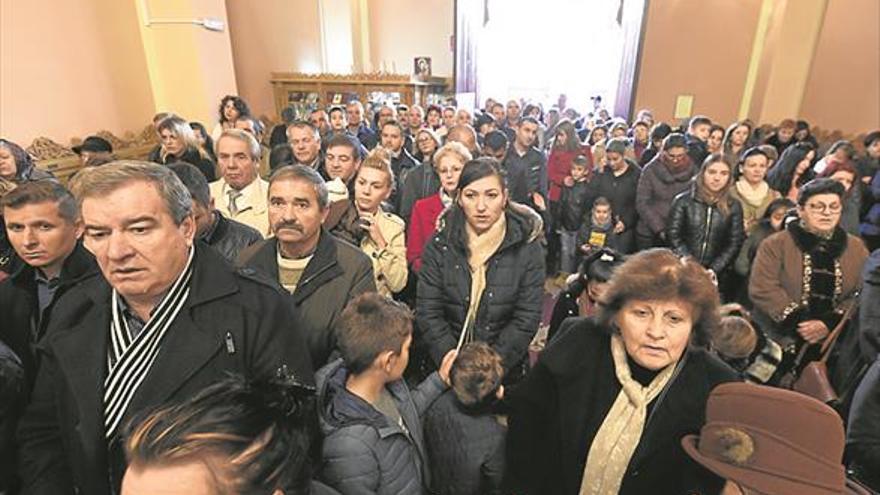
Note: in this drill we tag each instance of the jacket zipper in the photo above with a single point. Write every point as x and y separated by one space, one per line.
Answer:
706 235
312 277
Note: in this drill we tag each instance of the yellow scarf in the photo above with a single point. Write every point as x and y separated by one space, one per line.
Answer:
619 435
481 247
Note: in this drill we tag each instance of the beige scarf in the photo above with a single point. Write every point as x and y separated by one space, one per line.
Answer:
481 248
619 435
754 196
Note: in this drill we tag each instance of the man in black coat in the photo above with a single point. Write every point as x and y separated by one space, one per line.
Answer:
12 395
392 139
166 319
226 235
43 226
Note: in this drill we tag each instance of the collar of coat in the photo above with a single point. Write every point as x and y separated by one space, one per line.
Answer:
524 225
212 279
807 242
321 269
79 265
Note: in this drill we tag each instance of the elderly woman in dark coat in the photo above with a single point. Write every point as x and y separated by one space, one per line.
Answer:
482 274
605 407
17 166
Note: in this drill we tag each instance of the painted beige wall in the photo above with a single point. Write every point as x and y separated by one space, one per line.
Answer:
190 67
843 91
401 30
71 68
788 54
685 52
272 36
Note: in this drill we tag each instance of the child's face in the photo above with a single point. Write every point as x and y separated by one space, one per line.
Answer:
785 134
776 218
601 214
596 290
578 172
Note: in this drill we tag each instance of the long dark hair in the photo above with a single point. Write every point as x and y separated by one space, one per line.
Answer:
572 141
474 170
238 103
728 134
782 173
209 141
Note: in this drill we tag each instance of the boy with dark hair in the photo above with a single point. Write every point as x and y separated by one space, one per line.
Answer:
238 435
598 230
465 439
573 202
370 419
697 137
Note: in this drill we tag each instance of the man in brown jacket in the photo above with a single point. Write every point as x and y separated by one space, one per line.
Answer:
321 272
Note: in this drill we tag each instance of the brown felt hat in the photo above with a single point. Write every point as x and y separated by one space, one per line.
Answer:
771 440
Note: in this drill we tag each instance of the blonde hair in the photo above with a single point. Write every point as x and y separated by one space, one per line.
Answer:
379 159
180 128
453 148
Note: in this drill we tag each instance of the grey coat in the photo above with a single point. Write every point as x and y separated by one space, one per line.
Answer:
364 452
658 186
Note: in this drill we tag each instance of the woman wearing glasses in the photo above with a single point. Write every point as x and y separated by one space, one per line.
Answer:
663 178
803 276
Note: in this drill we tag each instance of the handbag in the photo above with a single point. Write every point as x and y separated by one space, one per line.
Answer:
813 380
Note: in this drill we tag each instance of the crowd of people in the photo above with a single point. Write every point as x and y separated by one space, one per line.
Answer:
382 298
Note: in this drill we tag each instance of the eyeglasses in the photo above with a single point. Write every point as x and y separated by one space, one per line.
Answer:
823 208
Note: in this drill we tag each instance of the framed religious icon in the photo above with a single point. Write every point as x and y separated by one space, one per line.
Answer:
422 68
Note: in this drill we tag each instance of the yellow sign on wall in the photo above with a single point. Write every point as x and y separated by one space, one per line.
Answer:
684 105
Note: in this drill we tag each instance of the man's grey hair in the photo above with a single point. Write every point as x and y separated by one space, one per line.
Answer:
100 181
253 145
306 174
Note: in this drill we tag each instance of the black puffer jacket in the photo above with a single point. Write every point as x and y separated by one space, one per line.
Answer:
510 308
700 230
573 205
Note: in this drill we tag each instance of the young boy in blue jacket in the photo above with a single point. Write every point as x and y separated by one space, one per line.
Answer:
370 420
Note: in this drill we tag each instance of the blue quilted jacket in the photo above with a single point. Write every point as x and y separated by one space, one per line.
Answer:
363 451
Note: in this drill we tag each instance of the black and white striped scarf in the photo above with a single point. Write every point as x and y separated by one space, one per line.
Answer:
129 359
